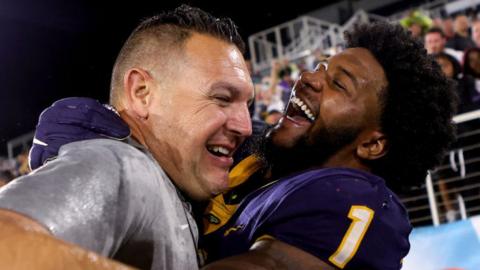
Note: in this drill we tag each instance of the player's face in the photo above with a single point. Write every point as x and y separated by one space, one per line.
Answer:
334 103
201 116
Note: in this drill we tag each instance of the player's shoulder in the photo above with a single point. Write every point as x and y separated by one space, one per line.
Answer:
331 182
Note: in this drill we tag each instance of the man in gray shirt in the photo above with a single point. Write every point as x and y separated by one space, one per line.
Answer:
181 85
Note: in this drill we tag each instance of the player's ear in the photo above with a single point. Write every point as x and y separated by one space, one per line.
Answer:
374 146
138 91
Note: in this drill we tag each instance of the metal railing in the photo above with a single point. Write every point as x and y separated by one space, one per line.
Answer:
452 190
19 144
299 38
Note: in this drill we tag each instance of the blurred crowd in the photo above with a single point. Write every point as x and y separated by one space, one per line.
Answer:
455 45
273 90
454 42
11 168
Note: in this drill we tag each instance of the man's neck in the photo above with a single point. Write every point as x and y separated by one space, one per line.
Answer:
134 128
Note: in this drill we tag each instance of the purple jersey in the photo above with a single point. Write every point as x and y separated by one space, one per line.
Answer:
347 218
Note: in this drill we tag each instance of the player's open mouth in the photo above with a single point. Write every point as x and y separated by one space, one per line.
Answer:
298 108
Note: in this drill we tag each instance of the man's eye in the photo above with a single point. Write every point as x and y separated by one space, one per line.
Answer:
222 98
338 85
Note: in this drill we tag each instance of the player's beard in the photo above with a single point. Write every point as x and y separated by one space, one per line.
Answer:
307 153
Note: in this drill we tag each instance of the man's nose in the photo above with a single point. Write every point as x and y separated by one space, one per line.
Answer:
314 79
239 122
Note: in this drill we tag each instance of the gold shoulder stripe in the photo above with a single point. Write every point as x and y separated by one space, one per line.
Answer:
217 206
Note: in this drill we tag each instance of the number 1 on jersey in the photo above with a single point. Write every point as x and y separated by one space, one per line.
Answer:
361 217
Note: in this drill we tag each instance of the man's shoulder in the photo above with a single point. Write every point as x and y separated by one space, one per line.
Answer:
102 148
109 155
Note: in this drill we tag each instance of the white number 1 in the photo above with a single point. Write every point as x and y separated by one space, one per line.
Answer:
361 217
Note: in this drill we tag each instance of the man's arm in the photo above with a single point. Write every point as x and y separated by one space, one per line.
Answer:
270 254
28 245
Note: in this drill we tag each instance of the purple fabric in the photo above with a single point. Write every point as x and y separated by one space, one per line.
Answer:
310 211
70 120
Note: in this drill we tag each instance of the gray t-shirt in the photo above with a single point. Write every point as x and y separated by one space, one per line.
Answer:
112 198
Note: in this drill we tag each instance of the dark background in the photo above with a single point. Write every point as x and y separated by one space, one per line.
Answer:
54 49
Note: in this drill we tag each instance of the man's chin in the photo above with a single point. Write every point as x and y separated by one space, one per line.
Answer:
217 182
283 137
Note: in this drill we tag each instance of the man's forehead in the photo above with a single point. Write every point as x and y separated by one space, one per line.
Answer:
360 62
360 58
433 35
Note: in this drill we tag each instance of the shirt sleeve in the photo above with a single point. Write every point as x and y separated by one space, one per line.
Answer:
335 220
84 196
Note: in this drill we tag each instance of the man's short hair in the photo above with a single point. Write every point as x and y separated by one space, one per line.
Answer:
165 33
418 103
437 30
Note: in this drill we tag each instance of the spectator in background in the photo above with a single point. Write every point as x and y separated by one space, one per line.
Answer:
417 23
471 66
465 83
22 163
280 81
476 33
435 41
286 82
461 39
274 112
447 27
256 77
282 78
5 177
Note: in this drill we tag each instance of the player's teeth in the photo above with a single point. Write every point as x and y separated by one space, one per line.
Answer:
303 107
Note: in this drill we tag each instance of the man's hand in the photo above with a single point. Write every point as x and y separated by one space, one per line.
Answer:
25 244
271 254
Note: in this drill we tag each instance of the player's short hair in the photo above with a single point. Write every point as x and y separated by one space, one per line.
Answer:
166 33
418 102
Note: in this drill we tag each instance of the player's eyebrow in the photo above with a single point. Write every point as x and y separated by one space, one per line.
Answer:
349 74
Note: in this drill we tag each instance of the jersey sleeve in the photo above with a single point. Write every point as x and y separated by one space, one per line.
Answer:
336 220
84 196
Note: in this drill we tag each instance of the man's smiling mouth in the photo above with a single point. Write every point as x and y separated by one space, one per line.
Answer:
220 151
299 108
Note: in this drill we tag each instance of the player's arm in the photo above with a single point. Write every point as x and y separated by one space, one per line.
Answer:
26 244
71 120
270 254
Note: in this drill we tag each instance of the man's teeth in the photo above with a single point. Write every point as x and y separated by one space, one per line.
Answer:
219 149
303 107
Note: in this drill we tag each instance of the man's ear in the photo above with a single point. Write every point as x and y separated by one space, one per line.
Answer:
138 91
374 146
